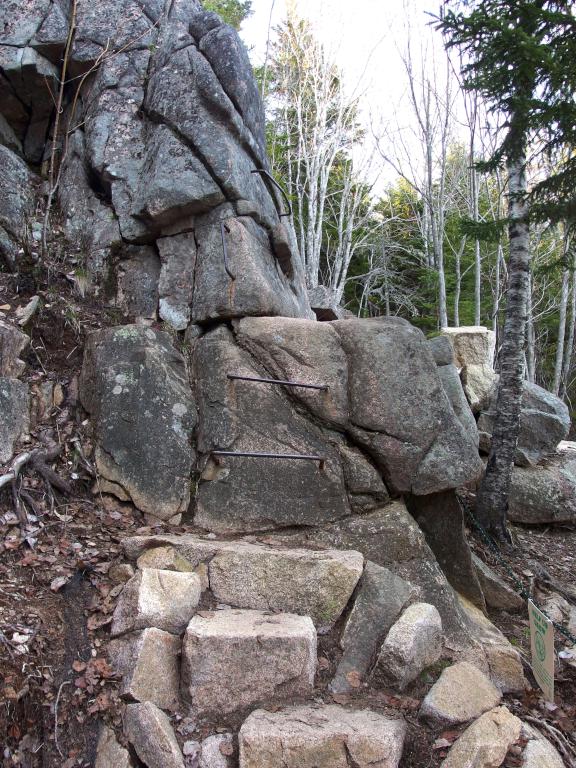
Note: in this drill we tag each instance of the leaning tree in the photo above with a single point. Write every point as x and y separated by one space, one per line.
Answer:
519 56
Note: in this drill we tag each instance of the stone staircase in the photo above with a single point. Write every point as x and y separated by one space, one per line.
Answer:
254 643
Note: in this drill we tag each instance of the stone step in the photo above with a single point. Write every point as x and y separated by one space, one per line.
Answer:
242 574
234 659
325 736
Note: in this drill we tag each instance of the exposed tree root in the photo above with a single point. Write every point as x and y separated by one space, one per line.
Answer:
37 460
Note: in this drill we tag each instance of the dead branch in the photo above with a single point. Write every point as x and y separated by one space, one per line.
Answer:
59 110
66 682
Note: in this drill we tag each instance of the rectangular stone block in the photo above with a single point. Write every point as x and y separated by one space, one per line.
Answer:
326 736
316 584
234 659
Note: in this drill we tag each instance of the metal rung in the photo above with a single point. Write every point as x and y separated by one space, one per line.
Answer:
258 455
223 230
268 175
278 381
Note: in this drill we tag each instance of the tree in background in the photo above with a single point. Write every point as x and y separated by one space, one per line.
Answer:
519 55
313 131
233 12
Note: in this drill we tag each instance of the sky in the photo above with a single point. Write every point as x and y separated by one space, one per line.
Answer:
366 39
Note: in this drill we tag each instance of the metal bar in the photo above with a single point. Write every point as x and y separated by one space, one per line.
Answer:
223 230
278 381
258 455
264 172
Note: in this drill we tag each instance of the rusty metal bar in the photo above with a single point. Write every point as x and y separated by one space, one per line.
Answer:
264 172
258 455
223 230
278 381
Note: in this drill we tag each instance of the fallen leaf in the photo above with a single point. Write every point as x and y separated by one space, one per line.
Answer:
441 744
57 583
354 679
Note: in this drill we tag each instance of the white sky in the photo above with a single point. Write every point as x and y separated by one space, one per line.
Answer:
366 39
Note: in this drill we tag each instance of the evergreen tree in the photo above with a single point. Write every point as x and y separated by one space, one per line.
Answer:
233 12
519 55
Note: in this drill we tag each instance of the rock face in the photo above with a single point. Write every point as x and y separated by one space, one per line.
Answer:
167 142
412 435
155 598
413 643
324 737
544 422
460 694
486 741
135 387
545 494
254 654
14 415
436 514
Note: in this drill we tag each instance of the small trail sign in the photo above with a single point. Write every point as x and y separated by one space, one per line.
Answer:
542 646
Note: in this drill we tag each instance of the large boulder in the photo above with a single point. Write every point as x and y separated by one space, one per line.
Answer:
363 423
544 422
12 343
14 415
544 494
17 184
250 494
134 385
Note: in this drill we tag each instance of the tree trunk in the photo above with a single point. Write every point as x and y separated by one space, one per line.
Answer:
492 501
562 320
530 336
569 347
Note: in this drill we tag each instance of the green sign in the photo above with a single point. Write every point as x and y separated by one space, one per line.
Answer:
542 646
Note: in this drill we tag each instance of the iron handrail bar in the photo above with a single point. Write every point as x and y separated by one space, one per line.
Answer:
260 455
264 172
278 381
223 230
